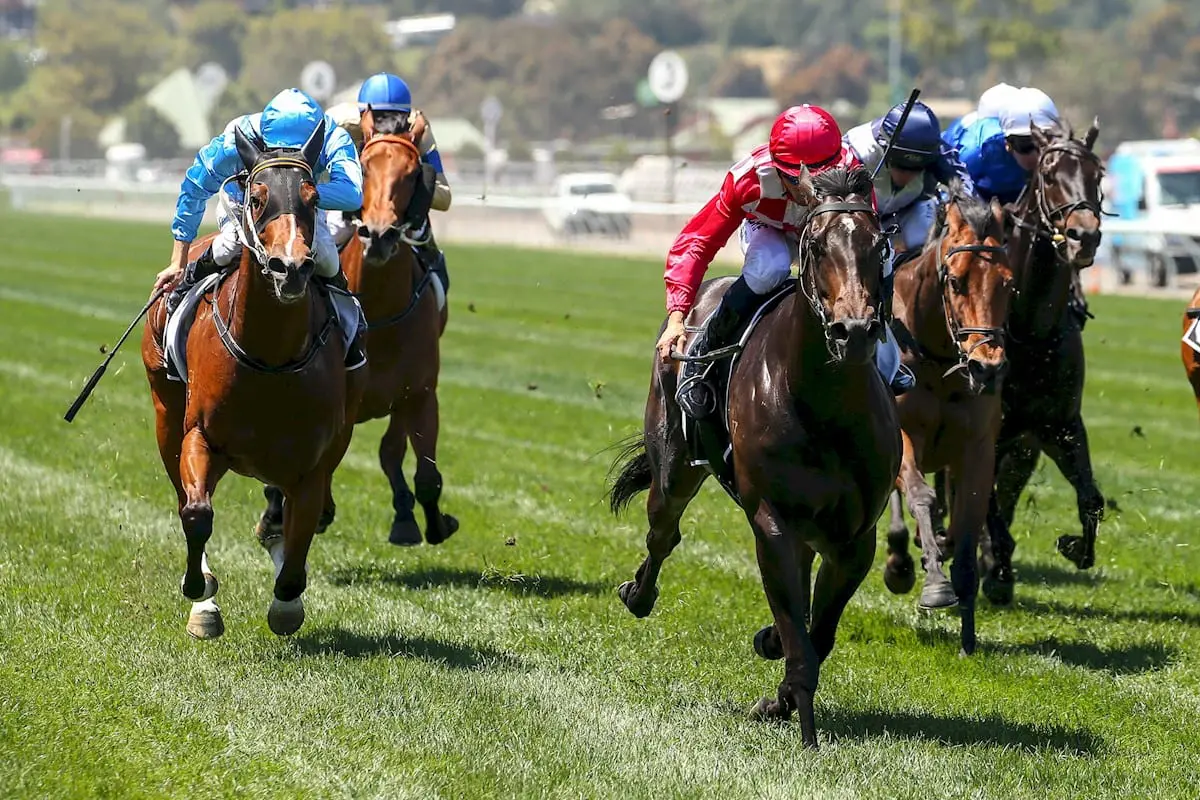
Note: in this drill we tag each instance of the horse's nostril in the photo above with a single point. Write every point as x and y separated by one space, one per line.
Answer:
839 331
874 329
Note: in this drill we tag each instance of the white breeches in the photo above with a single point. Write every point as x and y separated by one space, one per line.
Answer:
226 247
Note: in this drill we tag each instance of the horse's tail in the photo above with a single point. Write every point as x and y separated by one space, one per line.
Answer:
635 475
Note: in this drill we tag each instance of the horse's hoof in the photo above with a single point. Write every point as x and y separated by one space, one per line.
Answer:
937 596
998 591
285 619
768 709
206 623
439 534
899 579
405 533
767 644
268 528
1074 550
640 609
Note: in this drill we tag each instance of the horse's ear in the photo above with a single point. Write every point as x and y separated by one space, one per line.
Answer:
247 149
997 212
315 144
1041 138
367 123
417 128
1089 139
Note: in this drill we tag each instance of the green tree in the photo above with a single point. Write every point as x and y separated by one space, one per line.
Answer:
215 32
277 47
143 124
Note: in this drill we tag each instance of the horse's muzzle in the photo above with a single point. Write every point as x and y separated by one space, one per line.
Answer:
291 280
378 245
854 340
1082 243
985 377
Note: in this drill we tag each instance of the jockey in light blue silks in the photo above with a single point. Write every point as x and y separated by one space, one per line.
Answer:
286 122
391 104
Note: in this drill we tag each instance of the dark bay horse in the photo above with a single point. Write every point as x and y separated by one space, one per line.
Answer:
816 442
951 303
1056 230
404 330
268 395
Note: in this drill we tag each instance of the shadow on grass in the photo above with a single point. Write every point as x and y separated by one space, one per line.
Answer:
955 731
1055 575
1163 615
1124 660
547 586
339 641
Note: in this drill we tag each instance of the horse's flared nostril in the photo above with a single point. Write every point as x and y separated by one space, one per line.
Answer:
839 332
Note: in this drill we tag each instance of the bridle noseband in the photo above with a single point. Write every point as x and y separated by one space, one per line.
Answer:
1049 217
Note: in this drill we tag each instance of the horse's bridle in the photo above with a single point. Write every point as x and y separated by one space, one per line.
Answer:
960 333
807 254
1048 218
403 230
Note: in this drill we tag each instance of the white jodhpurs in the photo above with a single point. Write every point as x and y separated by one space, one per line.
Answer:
226 247
768 253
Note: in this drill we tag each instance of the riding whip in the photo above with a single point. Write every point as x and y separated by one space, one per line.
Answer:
908 107
99 373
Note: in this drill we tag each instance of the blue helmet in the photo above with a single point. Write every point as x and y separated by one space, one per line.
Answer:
919 141
385 92
290 119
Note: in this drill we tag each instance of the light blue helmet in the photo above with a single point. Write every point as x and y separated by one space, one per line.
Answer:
290 119
385 92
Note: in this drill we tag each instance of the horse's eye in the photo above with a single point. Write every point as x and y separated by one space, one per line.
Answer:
959 284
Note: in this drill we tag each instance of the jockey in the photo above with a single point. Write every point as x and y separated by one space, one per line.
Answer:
998 151
390 100
287 122
761 197
906 190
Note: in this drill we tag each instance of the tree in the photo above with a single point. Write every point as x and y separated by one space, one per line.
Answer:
145 125
215 32
841 73
277 47
736 78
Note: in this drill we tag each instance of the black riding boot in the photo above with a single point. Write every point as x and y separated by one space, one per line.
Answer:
695 396
356 355
193 273
433 259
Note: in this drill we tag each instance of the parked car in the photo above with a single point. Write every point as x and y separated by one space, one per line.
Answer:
589 203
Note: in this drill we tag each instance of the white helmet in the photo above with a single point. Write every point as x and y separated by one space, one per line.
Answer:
996 99
1026 108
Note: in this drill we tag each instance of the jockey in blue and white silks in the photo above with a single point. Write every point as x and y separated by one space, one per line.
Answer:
287 122
998 149
906 186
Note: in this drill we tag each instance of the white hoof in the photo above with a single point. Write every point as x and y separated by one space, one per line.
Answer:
205 621
285 618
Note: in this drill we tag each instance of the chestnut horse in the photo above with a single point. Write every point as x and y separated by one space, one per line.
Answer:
950 304
1056 230
1191 358
816 442
268 395
404 327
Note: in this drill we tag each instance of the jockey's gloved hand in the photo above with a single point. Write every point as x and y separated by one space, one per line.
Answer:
422 199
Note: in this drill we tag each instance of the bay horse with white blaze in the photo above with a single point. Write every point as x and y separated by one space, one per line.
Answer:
404 325
1056 230
268 394
816 442
951 303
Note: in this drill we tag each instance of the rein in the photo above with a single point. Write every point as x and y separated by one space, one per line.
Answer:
1046 226
807 255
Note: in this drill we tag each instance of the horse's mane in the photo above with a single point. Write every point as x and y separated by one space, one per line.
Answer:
391 122
975 212
842 182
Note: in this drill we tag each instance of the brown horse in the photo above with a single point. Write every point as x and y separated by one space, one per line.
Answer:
816 442
268 395
404 326
950 303
1191 359
1056 230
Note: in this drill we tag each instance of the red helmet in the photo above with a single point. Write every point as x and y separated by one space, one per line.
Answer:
804 136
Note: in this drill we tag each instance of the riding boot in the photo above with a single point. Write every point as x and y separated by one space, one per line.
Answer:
432 258
193 273
356 355
904 379
1078 301
696 395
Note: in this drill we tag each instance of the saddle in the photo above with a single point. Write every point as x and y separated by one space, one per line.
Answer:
708 441
179 322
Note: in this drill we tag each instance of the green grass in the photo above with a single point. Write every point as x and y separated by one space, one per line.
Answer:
502 664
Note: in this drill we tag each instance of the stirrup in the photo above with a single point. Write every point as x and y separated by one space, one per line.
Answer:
903 381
